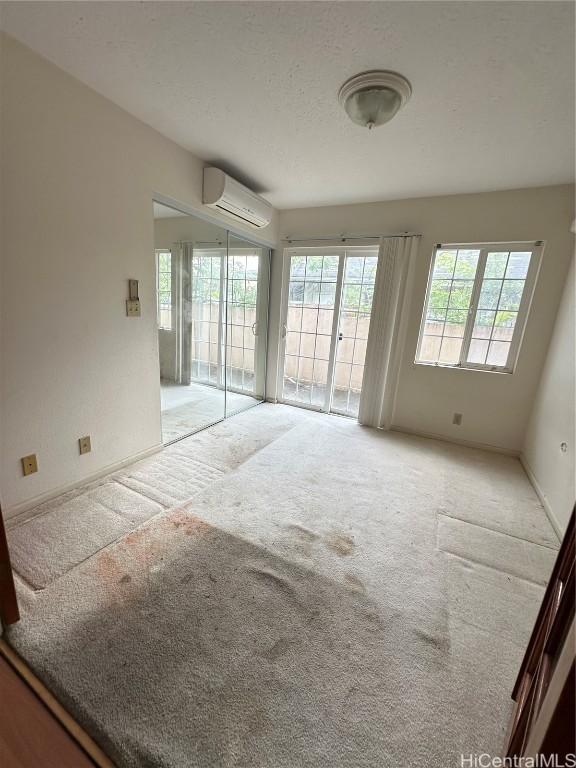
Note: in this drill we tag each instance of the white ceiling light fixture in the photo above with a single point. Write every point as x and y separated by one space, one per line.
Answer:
373 98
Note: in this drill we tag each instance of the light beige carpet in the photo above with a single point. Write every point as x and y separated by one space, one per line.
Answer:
66 531
317 604
57 535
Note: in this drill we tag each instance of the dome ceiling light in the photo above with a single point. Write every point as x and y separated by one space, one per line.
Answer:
373 98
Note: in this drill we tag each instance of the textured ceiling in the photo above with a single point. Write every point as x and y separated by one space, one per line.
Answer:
253 87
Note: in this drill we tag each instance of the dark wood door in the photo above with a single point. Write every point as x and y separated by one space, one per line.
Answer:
8 603
546 643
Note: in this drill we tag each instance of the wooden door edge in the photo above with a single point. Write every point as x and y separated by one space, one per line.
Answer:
9 613
51 702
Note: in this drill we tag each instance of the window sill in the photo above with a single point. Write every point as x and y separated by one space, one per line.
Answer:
476 369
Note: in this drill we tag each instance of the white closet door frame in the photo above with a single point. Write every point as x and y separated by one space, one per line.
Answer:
260 328
177 257
222 320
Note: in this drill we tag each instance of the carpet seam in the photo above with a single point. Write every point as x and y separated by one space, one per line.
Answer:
48 511
96 552
493 568
176 502
494 530
112 478
82 490
25 583
122 515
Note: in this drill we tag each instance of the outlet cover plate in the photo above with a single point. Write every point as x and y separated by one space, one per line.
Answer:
29 464
84 444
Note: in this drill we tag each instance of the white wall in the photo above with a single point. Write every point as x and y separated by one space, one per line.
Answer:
495 406
78 177
552 470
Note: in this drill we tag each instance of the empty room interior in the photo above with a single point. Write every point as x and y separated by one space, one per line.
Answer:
287 384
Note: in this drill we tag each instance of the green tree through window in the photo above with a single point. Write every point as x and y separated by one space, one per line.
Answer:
473 303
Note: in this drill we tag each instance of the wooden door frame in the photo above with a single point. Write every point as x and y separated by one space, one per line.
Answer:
9 613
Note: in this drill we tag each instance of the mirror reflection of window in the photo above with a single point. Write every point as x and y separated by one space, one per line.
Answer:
164 289
212 318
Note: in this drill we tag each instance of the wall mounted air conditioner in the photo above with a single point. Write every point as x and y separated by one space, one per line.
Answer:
228 196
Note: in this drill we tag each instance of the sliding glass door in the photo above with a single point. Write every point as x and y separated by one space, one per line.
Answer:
328 303
213 318
310 327
359 275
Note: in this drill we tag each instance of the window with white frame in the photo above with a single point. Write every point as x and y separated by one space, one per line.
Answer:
164 289
476 305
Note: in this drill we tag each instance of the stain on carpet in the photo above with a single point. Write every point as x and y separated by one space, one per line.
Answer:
226 655
279 648
302 539
68 530
355 583
439 642
340 543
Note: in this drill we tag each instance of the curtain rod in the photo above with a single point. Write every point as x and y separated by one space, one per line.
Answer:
249 245
345 238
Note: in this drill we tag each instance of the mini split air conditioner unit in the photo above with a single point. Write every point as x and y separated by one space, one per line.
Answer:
234 199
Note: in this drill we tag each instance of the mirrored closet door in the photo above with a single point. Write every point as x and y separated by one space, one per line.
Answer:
246 322
212 292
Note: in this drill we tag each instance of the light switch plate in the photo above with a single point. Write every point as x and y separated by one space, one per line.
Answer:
29 464
84 444
133 289
133 307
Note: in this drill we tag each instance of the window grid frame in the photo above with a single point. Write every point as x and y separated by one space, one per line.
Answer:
170 309
243 373
357 312
342 252
211 256
536 248
317 307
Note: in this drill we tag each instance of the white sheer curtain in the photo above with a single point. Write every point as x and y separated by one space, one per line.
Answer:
383 348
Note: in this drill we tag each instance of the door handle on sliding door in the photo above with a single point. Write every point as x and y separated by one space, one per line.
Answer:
255 328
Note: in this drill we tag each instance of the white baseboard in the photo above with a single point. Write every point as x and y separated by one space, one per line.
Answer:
542 496
9 513
457 441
